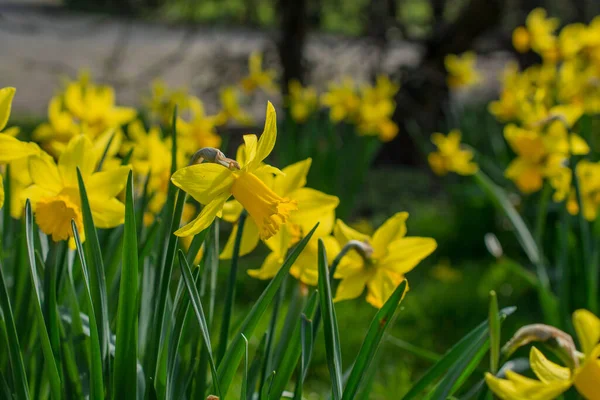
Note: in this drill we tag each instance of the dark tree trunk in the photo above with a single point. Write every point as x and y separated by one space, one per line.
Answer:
293 21
423 96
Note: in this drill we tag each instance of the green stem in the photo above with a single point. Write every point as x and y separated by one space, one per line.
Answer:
540 222
230 294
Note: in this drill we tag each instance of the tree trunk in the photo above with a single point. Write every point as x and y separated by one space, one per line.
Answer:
293 37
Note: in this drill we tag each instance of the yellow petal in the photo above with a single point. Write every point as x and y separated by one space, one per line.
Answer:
267 139
6 97
250 239
351 287
231 211
281 241
107 212
269 267
381 286
587 327
587 379
546 370
404 254
294 177
203 182
518 387
44 173
250 145
343 233
79 153
205 218
107 184
313 206
305 267
392 229
12 149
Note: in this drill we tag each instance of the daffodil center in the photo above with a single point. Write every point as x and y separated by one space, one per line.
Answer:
54 214
268 210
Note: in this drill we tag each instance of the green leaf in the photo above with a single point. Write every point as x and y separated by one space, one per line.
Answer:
14 349
230 291
51 366
307 347
235 351
452 356
371 343
199 311
105 152
125 364
255 366
332 338
97 277
244 392
494 327
96 375
289 360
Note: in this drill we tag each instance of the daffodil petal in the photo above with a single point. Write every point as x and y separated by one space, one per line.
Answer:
587 378
6 97
587 327
404 254
519 387
232 210
250 144
343 233
269 267
313 206
267 139
295 177
79 153
44 173
107 212
204 182
107 184
205 218
250 238
12 149
392 229
381 286
546 370
351 286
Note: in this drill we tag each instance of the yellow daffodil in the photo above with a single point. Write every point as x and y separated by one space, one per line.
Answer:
200 131
54 194
461 70
588 175
376 109
393 255
211 184
11 149
162 101
302 101
231 109
527 169
521 39
450 156
553 379
541 30
343 101
258 78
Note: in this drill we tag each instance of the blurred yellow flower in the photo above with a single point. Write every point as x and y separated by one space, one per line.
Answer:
461 70
527 169
258 78
377 107
54 194
199 131
211 184
521 39
11 149
553 379
343 101
231 109
588 175
302 101
393 255
450 156
541 30
162 101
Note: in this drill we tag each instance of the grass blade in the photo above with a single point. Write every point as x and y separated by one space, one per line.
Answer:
96 375
332 338
371 343
97 277
494 326
52 367
125 364
255 367
14 349
230 293
199 311
244 392
307 347
451 357
235 351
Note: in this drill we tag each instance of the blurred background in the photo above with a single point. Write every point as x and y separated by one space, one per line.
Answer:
204 45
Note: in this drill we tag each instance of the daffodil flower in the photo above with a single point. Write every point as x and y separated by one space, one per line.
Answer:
200 130
302 101
231 110
211 184
11 149
461 70
553 379
257 77
393 255
450 156
313 206
54 194
343 101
